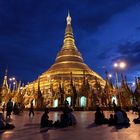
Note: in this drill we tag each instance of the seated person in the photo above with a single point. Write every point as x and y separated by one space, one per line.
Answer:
111 120
45 122
72 119
125 117
99 117
4 125
66 119
119 119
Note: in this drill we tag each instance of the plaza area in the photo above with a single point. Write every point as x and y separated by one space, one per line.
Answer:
29 129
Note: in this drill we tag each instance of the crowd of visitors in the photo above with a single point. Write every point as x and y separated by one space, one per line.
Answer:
118 117
10 108
66 119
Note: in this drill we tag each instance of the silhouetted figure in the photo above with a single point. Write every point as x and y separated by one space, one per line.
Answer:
119 119
111 120
31 110
4 125
9 108
72 119
99 116
114 104
126 119
64 119
45 122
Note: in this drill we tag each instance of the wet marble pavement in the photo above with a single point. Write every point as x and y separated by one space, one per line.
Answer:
29 129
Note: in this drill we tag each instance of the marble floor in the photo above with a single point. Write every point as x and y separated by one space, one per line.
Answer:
29 129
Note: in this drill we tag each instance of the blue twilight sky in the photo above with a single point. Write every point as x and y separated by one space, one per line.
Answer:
32 31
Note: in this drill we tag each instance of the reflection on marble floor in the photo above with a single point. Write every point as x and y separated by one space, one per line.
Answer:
29 128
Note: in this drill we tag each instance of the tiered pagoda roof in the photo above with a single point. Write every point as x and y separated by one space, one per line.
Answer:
69 58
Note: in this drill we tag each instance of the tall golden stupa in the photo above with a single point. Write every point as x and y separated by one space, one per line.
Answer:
68 78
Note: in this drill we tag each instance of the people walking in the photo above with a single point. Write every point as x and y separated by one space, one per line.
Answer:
31 109
114 104
9 108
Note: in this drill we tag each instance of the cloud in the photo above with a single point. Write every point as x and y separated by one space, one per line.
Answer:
106 53
130 52
31 31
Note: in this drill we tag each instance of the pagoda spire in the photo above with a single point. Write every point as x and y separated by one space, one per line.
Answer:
68 18
5 83
69 59
69 42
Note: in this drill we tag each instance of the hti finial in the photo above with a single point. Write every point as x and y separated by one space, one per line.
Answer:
68 18
6 71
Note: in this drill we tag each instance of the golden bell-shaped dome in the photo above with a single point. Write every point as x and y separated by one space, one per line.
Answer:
69 58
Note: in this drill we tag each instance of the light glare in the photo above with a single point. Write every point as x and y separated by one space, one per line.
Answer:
122 65
115 65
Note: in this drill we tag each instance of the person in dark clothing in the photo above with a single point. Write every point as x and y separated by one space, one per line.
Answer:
64 119
114 104
99 116
5 125
45 122
125 117
31 110
111 120
9 108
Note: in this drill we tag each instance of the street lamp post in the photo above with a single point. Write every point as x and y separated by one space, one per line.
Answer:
12 81
116 73
117 66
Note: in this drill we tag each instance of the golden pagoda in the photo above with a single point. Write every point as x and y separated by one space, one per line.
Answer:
67 73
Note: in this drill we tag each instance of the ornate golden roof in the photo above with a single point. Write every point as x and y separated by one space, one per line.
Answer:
69 58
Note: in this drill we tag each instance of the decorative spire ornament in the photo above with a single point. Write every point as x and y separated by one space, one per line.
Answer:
68 18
